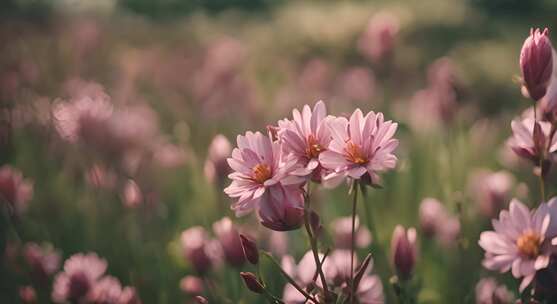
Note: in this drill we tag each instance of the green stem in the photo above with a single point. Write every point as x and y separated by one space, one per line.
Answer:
313 244
353 243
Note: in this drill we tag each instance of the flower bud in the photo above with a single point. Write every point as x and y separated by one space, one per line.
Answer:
251 282
191 285
229 238
250 250
403 251
536 63
286 213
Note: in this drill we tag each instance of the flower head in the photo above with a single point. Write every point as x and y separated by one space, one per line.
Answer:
520 241
532 139
306 136
490 190
379 38
361 147
342 233
404 251
199 250
488 291
43 260
15 191
216 168
229 239
263 180
536 63
81 273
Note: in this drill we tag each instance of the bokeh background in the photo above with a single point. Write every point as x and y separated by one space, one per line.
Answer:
179 72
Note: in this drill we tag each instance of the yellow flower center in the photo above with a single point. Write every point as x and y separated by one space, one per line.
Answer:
261 173
529 244
354 154
313 147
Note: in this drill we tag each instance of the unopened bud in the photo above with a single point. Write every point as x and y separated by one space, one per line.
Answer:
252 283
250 249
536 63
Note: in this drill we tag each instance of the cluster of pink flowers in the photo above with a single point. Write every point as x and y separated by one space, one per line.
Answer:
271 171
83 280
15 191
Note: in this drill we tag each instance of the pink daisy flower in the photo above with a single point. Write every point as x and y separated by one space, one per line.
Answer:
306 136
525 145
521 240
360 147
263 180
81 273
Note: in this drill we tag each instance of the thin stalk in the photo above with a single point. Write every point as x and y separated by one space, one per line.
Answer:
313 244
540 163
289 278
353 243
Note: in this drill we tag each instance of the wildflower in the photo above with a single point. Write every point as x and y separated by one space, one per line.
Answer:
489 292
435 221
342 233
197 249
43 261
230 241
306 136
81 273
403 251
536 63
252 283
192 285
262 180
520 241
361 147
378 40
132 195
250 250
490 190
216 168
15 191
528 143
107 290
27 295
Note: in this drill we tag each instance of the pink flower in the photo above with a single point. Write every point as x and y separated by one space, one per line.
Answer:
336 268
192 285
306 136
216 168
361 147
378 40
229 239
521 240
199 250
263 180
84 118
536 63
342 233
81 273
43 261
132 195
129 295
524 142
14 190
490 190
436 221
403 251
27 295
357 84
107 290
489 292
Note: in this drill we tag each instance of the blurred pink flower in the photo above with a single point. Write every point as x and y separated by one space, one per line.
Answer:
99 176
84 118
44 261
132 194
378 40
198 249
129 295
216 167
536 63
361 147
107 290
306 136
524 143
15 191
489 292
168 155
336 268
490 190
262 180
521 240
342 233
435 221
27 295
192 285
404 251
314 80
80 275
229 238
357 84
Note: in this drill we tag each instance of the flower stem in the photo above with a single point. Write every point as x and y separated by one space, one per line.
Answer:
353 243
313 244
